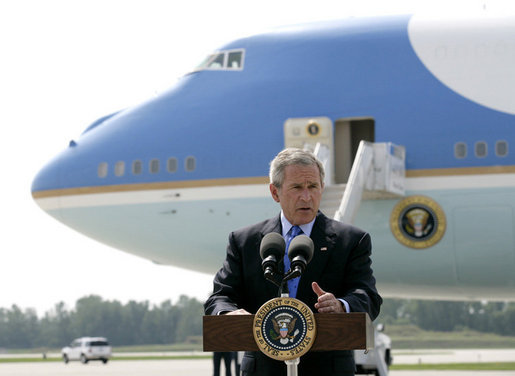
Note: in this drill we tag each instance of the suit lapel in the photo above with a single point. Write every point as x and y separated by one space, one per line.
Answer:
323 240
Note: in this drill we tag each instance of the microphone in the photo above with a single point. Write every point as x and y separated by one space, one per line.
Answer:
272 252
300 253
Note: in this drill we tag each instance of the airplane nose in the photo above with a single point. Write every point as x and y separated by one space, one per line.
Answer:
45 179
46 182
57 175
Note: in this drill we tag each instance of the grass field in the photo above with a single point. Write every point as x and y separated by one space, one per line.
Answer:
412 337
403 337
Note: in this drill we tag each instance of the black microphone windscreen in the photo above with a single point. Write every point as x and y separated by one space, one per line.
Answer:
301 245
272 243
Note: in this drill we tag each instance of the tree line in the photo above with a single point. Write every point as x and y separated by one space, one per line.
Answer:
138 323
447 316
134 323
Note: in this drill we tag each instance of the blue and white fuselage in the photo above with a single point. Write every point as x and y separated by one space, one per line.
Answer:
169 179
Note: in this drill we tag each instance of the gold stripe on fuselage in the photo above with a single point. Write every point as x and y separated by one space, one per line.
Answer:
460 171
151 186
252 180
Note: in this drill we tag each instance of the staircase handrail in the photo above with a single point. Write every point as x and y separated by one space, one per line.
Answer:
359 174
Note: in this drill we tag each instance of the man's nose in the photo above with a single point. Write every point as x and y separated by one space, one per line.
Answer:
305 194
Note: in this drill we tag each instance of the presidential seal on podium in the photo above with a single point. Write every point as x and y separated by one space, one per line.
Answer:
284 328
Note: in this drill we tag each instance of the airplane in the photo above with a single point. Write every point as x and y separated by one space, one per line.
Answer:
433 99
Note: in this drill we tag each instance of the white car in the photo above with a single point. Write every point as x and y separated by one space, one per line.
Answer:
86 349
378 360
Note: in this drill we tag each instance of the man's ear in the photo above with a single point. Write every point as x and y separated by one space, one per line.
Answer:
275 192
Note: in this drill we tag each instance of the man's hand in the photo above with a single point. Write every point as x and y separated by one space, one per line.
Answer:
327 302
238 312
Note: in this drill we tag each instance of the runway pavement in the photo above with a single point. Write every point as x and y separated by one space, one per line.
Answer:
204 367
453 356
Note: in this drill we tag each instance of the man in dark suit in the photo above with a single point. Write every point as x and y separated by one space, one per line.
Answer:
227 357
338 278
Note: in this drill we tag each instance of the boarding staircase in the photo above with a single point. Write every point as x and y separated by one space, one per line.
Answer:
378 172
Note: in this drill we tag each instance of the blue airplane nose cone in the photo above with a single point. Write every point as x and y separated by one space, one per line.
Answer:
48 178
45 182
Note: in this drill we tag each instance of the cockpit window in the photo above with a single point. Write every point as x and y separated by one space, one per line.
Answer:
235 59
223 60
216 61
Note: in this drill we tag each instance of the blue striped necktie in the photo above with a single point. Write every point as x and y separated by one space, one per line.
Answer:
293 284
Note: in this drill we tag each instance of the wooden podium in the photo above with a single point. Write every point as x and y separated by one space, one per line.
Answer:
335 331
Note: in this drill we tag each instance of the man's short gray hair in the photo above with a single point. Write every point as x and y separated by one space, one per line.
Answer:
292 156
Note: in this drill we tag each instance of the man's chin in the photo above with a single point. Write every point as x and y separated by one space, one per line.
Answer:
304 216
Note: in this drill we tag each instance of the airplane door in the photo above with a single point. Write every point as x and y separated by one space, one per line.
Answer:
348 133
342 144
306 133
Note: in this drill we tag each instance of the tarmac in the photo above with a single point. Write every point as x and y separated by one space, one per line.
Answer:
453 356
201 367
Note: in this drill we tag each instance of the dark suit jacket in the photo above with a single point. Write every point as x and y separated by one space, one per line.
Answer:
341 265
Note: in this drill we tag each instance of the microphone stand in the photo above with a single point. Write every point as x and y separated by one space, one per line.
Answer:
281 281
284 292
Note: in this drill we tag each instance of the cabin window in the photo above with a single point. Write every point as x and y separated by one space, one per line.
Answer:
154 166
102 170
171 164
119 168
481 149
190 164
460 150
501 148
137 167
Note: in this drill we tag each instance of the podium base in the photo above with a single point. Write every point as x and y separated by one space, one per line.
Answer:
291 366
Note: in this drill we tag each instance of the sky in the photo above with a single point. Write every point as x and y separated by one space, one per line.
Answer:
64 64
